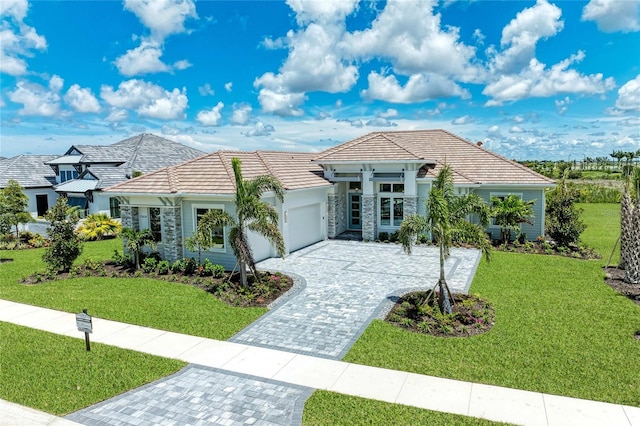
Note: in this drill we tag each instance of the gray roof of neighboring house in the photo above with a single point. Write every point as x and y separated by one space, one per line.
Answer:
30 171
77 185
112 164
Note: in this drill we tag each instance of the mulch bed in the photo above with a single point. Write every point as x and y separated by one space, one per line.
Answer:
615 279
471 315
226 288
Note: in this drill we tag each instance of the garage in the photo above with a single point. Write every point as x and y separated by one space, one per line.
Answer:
305 226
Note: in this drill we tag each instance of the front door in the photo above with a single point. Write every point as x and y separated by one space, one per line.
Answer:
42 204
355 211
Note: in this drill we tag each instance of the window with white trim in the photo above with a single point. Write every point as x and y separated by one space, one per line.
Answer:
391 204
217 234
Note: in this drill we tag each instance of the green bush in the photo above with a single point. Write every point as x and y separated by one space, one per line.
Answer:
179 266
149 264
123 260
163 267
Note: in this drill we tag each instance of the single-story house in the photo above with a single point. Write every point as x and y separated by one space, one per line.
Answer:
366 185
34 176
84 170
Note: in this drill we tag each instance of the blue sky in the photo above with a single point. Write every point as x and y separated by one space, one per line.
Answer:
532 80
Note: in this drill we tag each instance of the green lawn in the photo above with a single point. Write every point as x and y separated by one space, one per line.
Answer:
331 409
559 329
148 302
603 229
56 374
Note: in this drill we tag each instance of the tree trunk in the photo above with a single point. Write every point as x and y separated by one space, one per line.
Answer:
444 304
626 224
632 267
243 274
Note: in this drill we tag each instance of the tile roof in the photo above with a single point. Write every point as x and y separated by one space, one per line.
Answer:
76 185
30 171
212 174
471 164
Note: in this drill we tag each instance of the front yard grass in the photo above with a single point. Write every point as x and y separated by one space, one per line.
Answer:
148 302
56 374
559 329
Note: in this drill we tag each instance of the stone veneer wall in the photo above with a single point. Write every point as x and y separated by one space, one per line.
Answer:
337 215
172 233
410 206
129 217
369 225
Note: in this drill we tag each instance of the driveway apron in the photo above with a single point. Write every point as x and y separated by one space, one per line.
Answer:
346 284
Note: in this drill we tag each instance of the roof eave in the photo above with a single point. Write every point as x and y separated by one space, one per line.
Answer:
363 161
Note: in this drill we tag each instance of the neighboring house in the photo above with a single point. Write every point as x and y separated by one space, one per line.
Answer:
37 179
369 185
85 170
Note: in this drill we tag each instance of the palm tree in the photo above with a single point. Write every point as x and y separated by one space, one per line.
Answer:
509 212
447 220
95 226
134 241
252 215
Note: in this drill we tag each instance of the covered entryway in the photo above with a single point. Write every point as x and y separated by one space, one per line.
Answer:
305 226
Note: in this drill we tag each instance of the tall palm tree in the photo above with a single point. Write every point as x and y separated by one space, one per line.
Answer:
252 215
447 220
509 212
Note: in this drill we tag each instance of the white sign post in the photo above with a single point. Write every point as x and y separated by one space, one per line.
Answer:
84 324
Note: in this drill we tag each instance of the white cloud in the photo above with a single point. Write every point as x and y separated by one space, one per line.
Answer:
419 88
324 11
613 15
37 100
144 59
521 35
162 17
19 40
117 115
353 123
282 104
389 113
211 117
539 81
629 95
562 105
241 113
147 99
260 129
630 122
206 90
228 86
410 36
81 99
465 119
182 65
494 132
380 122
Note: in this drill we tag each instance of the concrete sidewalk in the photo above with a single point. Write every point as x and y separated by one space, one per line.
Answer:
452 396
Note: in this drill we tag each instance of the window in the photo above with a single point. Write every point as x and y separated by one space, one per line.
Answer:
66 175
355 186
218 233
392 187
114 207
155 223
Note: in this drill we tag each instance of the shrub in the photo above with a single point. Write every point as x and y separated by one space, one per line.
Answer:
149 264
384 236
211 269
123 260
98 225
190 266
65 245
563 222
163 267
179 266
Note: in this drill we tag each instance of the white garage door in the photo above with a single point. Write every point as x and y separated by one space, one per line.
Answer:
305 226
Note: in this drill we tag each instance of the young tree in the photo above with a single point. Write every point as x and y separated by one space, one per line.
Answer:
199 241
252 215
447 221
563 222
13 205
65 245
95 226
135 241
509 212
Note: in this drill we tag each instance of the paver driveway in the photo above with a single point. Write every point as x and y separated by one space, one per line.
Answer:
347 284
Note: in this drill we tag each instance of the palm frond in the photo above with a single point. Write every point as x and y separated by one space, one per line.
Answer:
265 183
410 228
271 232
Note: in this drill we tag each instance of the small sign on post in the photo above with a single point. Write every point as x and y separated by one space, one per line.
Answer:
84 324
